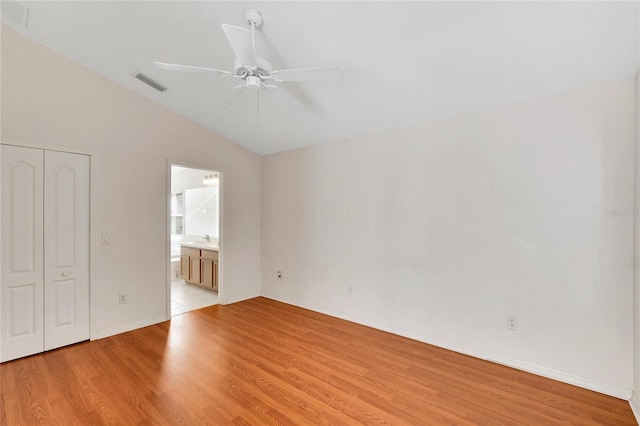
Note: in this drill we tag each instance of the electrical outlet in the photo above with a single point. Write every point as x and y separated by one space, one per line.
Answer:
511 322
122 298
279 274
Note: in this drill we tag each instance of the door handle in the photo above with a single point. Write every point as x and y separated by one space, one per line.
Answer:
65 273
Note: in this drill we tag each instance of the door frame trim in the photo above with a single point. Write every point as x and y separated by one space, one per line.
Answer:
221 226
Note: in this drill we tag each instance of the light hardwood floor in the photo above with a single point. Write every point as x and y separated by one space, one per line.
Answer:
263 362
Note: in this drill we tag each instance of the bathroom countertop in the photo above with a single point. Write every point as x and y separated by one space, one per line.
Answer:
201 245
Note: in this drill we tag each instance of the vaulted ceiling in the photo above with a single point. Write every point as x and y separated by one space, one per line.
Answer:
401 63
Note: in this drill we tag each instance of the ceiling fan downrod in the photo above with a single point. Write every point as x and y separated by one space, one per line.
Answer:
254 18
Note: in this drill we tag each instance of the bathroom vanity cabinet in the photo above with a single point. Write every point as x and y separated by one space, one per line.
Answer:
200 267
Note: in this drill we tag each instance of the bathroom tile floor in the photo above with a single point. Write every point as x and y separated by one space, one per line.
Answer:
187 297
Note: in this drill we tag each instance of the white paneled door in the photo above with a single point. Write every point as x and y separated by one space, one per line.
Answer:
66 249
45 250
22 252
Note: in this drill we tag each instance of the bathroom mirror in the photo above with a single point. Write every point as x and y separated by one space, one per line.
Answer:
201 211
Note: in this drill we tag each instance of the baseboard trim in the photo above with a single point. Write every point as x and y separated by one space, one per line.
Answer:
242 297
634 402
145 323
128 327
561 376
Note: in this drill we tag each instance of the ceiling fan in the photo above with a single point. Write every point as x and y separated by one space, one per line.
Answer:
254 71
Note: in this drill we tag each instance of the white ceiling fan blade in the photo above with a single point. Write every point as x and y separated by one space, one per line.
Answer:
188 68
240 41
231 96
271 88
307 74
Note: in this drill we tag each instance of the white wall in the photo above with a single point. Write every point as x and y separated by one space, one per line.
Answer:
443 229
48 99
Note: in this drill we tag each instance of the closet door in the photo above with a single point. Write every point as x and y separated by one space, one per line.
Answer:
66 248
21 275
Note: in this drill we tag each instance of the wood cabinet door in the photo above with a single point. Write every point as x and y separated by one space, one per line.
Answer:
184 267
194 273
214 283
207 272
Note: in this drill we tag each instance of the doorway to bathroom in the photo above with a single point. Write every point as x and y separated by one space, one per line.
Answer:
194 234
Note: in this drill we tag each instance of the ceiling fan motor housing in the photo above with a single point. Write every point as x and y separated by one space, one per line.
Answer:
263 68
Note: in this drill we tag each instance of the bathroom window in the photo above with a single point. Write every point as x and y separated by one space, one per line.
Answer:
177 213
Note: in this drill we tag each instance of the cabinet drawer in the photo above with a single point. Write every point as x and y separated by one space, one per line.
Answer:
209 254
188 251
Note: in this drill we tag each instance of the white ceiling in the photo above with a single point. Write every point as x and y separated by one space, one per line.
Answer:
401 62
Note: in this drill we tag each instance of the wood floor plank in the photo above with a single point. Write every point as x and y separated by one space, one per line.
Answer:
543 400
261 362
3 408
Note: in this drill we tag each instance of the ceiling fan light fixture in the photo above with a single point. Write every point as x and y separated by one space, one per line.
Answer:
253 81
